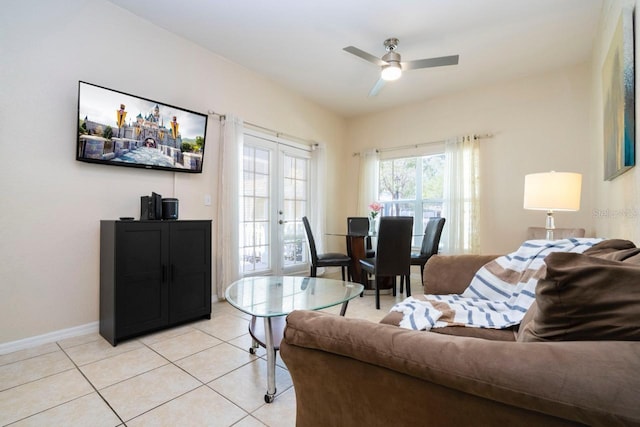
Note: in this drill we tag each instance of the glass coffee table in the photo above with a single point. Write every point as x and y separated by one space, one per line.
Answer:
273 297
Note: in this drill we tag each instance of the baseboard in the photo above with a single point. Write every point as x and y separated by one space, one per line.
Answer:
47 338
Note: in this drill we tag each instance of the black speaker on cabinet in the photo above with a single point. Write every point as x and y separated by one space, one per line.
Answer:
169 208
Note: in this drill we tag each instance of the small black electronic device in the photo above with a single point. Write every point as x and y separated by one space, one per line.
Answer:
126 218
169 208
151 207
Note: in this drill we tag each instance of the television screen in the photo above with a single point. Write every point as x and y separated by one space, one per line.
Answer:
115 128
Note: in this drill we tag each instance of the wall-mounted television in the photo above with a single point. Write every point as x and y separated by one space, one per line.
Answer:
116 128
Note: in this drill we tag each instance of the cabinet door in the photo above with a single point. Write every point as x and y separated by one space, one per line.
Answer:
190 271
142 286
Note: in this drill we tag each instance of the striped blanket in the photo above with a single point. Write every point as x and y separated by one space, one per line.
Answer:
499 294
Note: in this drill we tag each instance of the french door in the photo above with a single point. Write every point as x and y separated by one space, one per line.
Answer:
274 198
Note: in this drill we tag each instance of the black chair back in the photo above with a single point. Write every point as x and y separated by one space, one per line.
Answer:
393 253
328 259
310 240
358 225
431 239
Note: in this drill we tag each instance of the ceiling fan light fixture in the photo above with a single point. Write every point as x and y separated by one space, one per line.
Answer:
390 72
391 64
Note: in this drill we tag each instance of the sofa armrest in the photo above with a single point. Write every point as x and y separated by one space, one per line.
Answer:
350 367
451 274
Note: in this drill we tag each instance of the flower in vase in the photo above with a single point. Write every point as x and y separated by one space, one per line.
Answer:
375 209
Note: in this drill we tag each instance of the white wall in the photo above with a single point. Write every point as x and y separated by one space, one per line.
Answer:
539 124
51 204
616 211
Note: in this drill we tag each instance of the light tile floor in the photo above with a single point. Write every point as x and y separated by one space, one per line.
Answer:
199 374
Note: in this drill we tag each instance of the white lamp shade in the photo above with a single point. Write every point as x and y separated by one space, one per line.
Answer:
552 191
393 71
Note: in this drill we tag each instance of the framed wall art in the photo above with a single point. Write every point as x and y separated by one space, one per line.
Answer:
618 82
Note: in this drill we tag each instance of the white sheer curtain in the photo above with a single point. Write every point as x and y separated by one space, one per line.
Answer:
228 204
318 196
368 181
461 196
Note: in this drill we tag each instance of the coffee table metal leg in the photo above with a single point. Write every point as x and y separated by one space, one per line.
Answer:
271 361
343 309
254 346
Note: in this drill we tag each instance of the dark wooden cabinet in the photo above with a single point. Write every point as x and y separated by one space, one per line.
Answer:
153 275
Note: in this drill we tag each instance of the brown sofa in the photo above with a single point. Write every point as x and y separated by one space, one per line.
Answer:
352 372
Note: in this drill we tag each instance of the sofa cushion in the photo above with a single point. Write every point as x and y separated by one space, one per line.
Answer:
451 274
608 246
616 250
585 297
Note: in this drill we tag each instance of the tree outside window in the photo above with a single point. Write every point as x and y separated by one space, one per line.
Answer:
412 186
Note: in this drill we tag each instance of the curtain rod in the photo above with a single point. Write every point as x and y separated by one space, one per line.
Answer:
422 144
313 144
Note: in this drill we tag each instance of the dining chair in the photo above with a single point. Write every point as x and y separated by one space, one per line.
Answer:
329 259
360 225
393 253
430 243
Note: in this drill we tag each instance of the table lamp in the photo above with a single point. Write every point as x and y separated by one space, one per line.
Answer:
552 191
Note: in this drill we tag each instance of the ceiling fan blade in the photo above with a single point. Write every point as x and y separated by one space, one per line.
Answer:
364 55
377 87
430 62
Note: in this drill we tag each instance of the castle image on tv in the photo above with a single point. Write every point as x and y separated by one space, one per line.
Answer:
153 138
145 141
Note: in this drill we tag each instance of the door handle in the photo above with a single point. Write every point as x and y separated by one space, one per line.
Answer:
282 222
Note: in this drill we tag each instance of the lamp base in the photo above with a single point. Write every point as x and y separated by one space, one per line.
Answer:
550 226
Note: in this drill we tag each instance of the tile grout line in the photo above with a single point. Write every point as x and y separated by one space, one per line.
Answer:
26 358
92 385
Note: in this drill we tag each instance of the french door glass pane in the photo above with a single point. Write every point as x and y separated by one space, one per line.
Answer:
247 183
289 188
301 169
294 208
261 209
248 209
301 190
290 209
262 162
255 229
261 185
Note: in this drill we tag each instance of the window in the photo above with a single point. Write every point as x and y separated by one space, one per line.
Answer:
412 186
255 226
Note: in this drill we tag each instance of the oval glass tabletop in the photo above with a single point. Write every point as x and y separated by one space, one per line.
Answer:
270 296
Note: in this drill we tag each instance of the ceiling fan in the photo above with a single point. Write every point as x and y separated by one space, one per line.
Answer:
391 66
